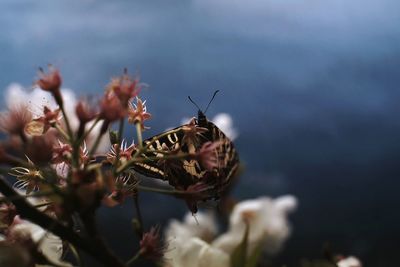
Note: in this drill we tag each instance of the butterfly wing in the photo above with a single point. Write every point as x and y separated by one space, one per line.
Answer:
186 172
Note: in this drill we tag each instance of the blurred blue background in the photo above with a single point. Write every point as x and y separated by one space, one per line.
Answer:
312 87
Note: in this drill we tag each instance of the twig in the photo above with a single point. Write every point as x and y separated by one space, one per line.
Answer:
30 213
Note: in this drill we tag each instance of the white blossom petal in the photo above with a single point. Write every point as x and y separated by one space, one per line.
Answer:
195 252
49 244
350 261
267 220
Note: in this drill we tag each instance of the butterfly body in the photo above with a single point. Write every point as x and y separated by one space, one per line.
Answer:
185 172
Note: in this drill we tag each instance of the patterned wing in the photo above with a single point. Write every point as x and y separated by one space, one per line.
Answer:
186 172
170 139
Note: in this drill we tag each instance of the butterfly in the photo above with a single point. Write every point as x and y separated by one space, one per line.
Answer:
185 172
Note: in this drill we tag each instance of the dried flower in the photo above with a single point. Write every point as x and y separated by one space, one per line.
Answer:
51 82
40 148
111 108
28 178
151 247
208 155
122 187
88 188
85 112
42 124
124 87
192 131
15 120
125 152
61 153
137 113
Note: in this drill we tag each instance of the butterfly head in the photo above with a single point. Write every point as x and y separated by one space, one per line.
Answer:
201 117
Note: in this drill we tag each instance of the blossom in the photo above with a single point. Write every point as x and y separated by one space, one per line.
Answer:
267 219
187 241
85 112
40 148
202 225
28 178
15 120
125 152
51 82
151 246
61 153
35 100
192 131
42 124
137 113
111 108
36 238
350 261
124 87
121 187
195 252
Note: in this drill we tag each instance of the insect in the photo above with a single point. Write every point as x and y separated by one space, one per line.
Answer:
182 173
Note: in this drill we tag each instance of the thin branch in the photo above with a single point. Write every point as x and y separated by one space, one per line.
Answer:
30 213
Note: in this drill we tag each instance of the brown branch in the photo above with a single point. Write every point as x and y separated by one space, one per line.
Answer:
98 251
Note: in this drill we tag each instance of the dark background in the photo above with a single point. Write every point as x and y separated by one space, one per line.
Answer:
312 87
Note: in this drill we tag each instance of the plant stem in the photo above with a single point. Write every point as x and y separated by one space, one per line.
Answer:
67 124
162 191
119 144
97 142
97 250
139 134
138 214
62 132
89 131
133 259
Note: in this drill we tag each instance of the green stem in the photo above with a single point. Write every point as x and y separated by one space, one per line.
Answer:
119 144
62 132
133 259
89 131
96 143
67 124
138 214
163 191
139 134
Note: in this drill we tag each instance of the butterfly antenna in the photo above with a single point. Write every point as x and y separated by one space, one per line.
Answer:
212 98
194 103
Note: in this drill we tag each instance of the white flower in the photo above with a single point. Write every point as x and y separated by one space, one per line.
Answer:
203 226
179 234
36 99
195 252
49 244
268 224
350 261
267 220
224 122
